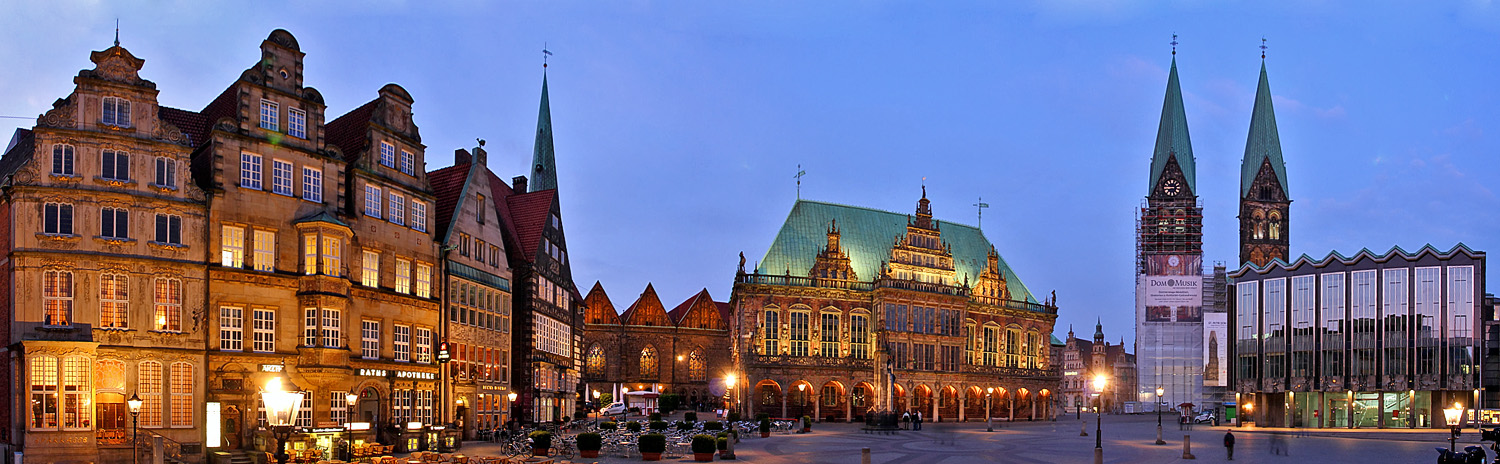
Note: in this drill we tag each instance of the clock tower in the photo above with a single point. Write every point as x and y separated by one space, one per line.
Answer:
1265 205
1171 221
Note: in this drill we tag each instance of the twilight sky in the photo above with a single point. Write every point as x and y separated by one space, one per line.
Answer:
679 125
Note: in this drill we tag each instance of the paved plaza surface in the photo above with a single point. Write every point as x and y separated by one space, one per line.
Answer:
1127 439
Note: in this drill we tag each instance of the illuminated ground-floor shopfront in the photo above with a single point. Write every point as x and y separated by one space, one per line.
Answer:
1351 409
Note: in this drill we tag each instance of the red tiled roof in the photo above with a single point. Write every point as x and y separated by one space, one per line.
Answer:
18 151
600 309
350 132
701 302
501 192
192 123
528 213
225 105
726 311
447 185
647 310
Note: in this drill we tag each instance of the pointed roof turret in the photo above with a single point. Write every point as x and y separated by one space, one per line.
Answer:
1264 143
543 165
1172 139
1099 330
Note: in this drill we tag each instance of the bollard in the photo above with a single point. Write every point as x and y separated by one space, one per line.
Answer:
864 456
1187 447
1083 429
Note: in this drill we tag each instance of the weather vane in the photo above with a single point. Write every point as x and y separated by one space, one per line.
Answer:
545 54
117 32
1262 47
981 205
799 175
1174 44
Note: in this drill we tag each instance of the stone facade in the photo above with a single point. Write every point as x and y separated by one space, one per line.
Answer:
928 318
104 241
684 351
1084 360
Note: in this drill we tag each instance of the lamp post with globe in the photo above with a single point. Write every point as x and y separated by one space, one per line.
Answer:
349 400
281 413
1159 392
1099 383
134 403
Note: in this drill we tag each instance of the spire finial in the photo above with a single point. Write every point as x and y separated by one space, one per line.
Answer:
117 32
924 186
1262 47
800 173
982 205
1174 44
545 54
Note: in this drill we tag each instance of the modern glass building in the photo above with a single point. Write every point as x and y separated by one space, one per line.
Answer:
1372 340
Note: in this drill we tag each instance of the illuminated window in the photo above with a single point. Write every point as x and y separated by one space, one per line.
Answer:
57 298
424 280
370 339
182 394
338 407
697 367
265 250
148 385
403 276
332 256
594 362
401 339
369 275
43 370
648 362
114 301
168 299
232 248
424 345
333 331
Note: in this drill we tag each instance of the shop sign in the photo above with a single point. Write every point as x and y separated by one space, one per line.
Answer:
270 367
399 374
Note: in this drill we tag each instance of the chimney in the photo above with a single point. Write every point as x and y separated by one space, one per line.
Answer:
518 183
480 156
461 156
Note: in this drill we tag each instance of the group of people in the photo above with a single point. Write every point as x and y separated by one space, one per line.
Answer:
911 420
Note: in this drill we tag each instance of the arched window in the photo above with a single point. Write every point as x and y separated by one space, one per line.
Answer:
771 329
1258 222
1275 226
648 362
594 362
697 368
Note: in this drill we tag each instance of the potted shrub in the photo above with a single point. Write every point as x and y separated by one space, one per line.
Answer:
655 416
658 425
633 427
765 428
651 446
589 444
722 443
806 424
703 448
611 425
690 416
541 441
762 416
734 416
684 425
713 425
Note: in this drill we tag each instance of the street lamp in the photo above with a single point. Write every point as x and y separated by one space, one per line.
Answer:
134 403
349 400
511 405
1159 392
1099 383
281 413
1454 417
989 421
596 403
729 385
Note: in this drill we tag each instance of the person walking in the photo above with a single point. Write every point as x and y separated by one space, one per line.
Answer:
917 421
906 420
1229 444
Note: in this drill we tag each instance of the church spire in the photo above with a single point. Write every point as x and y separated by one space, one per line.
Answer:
543 165
1172 140
1264 143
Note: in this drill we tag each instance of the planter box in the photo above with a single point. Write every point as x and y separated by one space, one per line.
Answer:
765 434
588 453
703 457
539 451
650 456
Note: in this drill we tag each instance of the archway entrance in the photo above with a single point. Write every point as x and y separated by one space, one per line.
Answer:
948 407
768 398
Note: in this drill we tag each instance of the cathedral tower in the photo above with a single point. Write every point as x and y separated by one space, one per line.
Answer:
1265 205
543 166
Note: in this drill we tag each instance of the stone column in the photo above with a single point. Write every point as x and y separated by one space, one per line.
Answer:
783 405
818 408
1010 399
937 398
962 400
1033 406
849 409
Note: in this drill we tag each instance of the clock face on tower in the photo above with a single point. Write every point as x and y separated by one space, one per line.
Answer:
1171 187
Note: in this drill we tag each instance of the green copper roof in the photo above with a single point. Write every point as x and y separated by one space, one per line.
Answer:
543 166
867 235
321 216
1264 142
1172 136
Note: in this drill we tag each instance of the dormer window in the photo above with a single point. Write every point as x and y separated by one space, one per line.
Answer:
408 163
62 160
116 112
269 113
387 154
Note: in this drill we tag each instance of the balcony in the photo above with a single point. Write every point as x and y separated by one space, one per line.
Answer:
925 287
799 281
1013 372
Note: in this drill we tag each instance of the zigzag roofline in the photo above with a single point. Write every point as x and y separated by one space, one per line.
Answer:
1364 253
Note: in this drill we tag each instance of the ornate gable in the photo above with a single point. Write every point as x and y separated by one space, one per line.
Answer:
832 262
647 310
699 312
116 64
599 309
991 287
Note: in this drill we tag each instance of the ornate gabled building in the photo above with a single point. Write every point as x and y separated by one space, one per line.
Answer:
104 274
684 351
856 310
477 322
548 317
1083 360
1265 205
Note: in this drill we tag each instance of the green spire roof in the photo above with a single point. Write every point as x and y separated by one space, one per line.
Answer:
543 166
1264 142
1172 136
867 236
